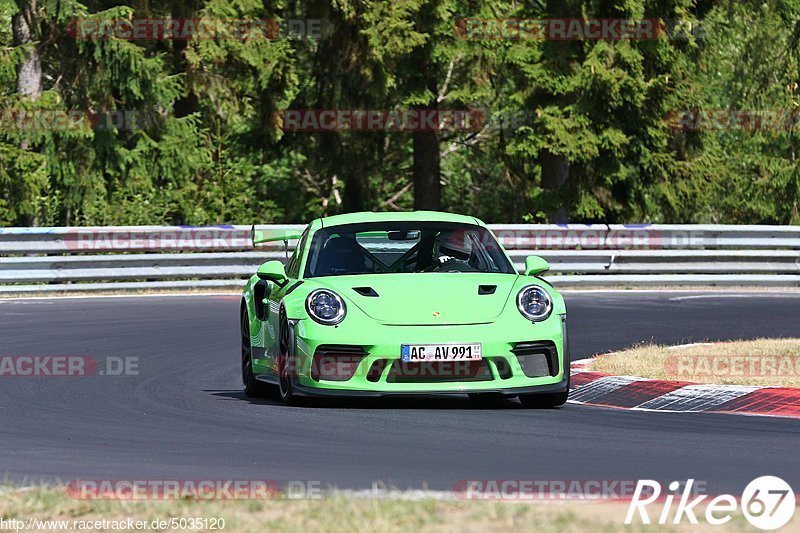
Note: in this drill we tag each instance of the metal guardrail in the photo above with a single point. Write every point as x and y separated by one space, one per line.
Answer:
155 257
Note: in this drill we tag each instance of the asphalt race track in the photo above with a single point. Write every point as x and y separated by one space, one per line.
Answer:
184 415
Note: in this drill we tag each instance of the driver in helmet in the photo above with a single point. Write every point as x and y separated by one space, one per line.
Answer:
452 250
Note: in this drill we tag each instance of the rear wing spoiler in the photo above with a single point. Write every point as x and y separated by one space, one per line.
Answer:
259 236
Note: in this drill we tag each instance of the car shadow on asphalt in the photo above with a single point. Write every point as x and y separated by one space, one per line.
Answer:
410 402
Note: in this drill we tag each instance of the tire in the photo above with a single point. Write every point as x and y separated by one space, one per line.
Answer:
252 387
544 401
286 362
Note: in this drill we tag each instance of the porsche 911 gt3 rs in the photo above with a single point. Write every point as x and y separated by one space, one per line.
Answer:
377 304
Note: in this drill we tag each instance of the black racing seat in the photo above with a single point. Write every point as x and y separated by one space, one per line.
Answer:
341 255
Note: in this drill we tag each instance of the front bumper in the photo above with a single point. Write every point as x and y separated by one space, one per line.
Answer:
502 370
561 386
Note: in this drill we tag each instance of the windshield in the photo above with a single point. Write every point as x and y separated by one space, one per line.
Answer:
395 247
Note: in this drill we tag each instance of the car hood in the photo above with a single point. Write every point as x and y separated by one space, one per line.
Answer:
446 298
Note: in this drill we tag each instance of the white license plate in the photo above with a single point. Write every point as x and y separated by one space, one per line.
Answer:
410 353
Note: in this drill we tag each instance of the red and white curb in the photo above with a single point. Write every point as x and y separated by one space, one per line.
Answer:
642 394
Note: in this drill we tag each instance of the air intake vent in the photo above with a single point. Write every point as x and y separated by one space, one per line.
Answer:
439 372
537 359
336 362
366 291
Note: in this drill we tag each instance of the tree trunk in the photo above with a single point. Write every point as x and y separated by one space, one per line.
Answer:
355 194
356 185
555 172
426 168
188 103
29 76
424 73
555 168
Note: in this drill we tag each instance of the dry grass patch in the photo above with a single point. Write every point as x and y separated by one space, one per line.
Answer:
338 513
764 362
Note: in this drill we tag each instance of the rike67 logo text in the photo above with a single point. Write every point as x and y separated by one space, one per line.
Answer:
767 502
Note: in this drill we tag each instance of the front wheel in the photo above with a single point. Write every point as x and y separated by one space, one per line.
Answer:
547 400
544 401
252 387
286 361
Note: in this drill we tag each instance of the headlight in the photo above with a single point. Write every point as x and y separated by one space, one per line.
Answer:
534 303
326 307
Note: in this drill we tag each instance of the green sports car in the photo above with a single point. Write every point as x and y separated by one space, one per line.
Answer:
377 304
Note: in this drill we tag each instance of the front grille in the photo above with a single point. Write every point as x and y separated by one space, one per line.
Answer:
537 359
439 372
336 362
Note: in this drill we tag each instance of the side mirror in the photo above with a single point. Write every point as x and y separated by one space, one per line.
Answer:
272 271
535 265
